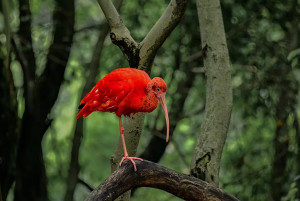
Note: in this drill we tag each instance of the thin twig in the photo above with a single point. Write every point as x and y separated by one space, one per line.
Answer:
85 184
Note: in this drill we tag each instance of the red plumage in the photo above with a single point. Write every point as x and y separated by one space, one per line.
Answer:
121 91
125 91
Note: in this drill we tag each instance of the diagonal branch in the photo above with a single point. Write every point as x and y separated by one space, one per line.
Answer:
120 35
160 31
153 175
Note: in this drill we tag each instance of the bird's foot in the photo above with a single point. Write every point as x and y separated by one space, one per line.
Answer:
132 161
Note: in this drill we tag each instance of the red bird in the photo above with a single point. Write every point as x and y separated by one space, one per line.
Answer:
126 91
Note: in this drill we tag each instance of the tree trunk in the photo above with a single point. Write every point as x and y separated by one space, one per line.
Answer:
9 121
281 141
40 95
214 128
31 175
297 138
287 85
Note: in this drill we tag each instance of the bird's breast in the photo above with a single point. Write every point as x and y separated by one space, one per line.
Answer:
149 103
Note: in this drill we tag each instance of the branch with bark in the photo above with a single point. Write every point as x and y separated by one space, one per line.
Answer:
40 95
153 175
141 55
213 133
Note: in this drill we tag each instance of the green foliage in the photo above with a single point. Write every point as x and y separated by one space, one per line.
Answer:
261 50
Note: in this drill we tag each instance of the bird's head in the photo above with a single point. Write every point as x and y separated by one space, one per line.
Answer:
158 87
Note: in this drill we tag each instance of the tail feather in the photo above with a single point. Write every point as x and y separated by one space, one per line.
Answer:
81 106
84 110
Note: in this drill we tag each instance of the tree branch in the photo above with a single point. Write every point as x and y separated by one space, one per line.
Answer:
30 162
211 139
160 31
85 184
97 26
153 175
120 35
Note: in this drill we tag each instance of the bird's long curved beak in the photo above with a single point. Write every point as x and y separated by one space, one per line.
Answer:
162 100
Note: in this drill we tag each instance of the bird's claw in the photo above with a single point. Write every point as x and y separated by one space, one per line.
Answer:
132 161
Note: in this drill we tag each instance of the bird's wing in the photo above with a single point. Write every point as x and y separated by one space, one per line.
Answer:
111 90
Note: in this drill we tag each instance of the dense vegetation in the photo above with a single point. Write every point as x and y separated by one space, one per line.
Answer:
261 158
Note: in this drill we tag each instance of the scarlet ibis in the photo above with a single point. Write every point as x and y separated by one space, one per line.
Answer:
126 91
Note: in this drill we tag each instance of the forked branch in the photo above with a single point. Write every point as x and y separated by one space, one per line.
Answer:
160 31
120 35
141 55
153 175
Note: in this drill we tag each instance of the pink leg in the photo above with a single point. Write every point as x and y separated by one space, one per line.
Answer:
124 147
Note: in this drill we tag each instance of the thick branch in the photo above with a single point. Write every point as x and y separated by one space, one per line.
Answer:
120 35
30 162
213 133
160 31
153 175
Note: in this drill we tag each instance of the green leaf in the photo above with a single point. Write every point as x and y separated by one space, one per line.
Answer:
293 54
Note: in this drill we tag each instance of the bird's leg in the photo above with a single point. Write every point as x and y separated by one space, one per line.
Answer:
124 147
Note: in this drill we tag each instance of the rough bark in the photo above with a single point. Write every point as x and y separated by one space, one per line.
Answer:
40 95
153 175
139 55
206 160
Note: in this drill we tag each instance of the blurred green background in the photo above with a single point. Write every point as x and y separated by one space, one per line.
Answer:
264 46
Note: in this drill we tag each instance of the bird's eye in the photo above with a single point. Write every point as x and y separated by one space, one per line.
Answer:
157 89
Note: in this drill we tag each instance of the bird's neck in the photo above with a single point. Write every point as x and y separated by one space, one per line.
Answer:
150 102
